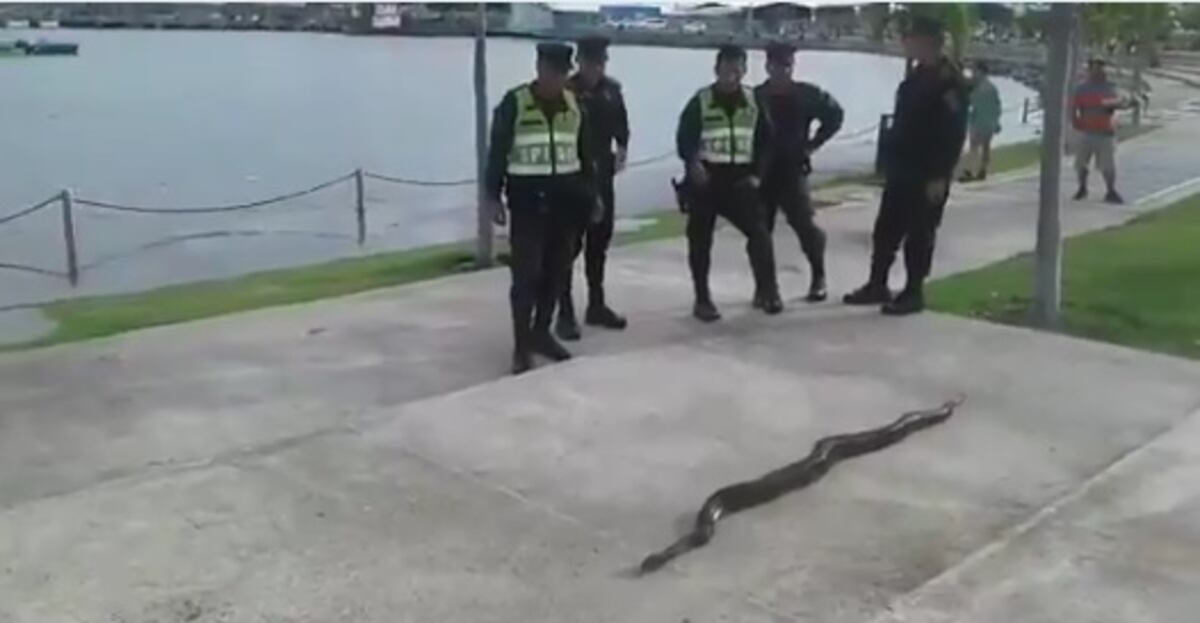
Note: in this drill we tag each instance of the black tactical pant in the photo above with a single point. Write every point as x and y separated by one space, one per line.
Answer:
734 199
593 241
906 215
543 227
786 190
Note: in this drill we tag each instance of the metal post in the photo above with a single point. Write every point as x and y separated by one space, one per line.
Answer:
69 237
1048 275
360 205
483 238
1025 112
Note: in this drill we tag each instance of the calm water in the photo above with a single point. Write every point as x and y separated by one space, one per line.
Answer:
181 119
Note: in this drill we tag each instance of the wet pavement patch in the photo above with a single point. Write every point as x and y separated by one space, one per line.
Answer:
19 326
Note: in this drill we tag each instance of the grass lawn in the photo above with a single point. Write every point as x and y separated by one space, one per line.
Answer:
87 318
1136 285
101 316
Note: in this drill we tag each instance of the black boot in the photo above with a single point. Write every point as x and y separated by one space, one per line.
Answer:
567 327
601 315
909 301
705 311
873 293
1081 194
769 302
817 291
1114 197
522 361
544 344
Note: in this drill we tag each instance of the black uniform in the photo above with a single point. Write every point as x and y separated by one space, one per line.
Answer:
792 111
608 124
926 140
729 193
546 214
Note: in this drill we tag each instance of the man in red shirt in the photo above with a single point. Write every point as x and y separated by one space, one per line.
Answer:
1093 108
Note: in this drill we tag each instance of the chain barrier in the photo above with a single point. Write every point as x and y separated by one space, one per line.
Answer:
412 182
30 269
849 136
213 209
668 155
27 211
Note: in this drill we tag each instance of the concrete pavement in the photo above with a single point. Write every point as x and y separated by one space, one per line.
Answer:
365 459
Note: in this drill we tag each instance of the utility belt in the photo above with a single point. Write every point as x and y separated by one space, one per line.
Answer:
543 192
785 166
720 177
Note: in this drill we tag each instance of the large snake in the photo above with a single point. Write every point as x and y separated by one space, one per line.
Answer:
826 453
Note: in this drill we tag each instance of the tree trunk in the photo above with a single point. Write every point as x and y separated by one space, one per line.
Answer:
1048 276
483 236
1140 60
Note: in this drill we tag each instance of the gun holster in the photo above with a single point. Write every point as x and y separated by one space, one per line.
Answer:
683 194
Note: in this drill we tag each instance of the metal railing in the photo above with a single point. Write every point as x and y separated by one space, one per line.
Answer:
69 205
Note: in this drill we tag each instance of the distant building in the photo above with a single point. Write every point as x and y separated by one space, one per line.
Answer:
629 14
386 17
530 17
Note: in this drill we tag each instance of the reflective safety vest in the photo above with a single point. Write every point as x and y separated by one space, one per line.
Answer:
543 146
726 139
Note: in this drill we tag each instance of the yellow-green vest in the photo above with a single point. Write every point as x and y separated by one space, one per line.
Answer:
544 146
725 139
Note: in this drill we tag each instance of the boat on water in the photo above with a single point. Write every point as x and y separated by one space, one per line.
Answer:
51 48
38 48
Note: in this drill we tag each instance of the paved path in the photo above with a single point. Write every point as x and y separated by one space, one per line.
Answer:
365 459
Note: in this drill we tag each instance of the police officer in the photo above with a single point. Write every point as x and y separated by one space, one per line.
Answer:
540 159
722 139
600 98
926 140
792 107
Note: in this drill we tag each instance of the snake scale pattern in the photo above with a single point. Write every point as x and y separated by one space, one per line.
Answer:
826 453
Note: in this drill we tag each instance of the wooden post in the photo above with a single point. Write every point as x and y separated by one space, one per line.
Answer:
1048 272
484 235
68 217
360 205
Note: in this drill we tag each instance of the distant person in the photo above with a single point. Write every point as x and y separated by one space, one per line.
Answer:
983 124
721 139
792 107
1093 106
604 106
928 130
540 159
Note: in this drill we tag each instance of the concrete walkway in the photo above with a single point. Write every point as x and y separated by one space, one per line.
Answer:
366 459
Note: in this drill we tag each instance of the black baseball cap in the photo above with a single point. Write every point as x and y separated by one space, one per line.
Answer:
557 55
925 26
730 52
593 48
780 52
